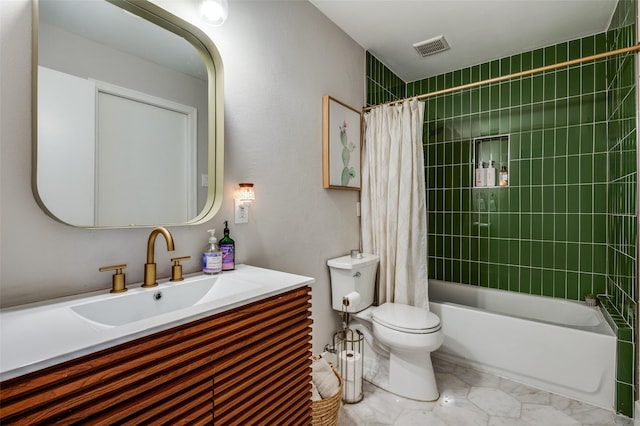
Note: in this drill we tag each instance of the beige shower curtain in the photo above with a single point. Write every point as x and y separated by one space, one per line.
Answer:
394 221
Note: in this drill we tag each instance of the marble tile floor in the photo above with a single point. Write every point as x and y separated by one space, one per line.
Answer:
472 398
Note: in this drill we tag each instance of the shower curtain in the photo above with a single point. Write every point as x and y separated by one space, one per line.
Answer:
394 221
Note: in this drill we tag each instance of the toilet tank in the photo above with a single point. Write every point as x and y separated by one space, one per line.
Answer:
349 275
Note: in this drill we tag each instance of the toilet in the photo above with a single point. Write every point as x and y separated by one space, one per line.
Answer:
404 334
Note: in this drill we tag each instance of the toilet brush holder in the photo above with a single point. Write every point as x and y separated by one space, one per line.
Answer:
350 353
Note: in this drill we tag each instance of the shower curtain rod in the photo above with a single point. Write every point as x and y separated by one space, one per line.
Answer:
634 48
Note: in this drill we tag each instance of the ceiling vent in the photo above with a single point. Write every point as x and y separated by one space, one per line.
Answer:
431 46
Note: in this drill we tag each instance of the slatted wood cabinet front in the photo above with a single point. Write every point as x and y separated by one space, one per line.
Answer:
249 365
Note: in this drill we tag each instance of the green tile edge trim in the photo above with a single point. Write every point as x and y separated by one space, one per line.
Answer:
624 334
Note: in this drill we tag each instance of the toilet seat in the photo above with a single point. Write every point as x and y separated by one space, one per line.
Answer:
406 318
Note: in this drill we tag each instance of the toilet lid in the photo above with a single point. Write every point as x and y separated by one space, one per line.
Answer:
406 318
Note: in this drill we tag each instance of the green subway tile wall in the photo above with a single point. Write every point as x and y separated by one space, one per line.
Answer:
383 85
545 233
622 189
566 224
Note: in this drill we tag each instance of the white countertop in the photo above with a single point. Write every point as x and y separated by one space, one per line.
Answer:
39 335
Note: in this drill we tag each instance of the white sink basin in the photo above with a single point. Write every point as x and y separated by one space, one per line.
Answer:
142 303
42 334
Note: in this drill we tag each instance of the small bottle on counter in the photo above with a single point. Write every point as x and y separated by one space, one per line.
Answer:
228 248
212 256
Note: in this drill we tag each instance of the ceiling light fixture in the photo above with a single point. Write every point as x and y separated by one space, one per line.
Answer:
214 12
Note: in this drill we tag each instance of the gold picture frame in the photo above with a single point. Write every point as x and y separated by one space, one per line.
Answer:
341 145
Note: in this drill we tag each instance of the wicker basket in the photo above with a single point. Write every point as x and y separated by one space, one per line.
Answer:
324 412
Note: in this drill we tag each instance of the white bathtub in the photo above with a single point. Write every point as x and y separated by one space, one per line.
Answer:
556 345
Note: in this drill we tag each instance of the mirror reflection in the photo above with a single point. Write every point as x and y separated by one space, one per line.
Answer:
122 118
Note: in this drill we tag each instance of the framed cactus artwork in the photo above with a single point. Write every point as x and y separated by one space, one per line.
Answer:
341 145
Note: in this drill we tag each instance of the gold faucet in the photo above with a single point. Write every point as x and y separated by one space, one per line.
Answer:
150 266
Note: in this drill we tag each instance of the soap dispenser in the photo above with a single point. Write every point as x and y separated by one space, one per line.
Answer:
491 175
212 256
228 248
481 175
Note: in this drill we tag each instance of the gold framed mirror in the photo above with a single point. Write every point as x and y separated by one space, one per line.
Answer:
128 126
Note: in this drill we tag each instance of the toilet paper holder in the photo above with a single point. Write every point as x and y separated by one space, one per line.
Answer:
349 346
351 300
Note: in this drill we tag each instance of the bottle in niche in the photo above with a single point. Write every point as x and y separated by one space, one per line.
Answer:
504 176
481 175
212 256
228 248
491 175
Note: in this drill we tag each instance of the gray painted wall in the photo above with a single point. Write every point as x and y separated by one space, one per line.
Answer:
280 58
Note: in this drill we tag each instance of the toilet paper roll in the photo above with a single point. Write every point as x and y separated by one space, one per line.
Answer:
350 365
352 391
351 301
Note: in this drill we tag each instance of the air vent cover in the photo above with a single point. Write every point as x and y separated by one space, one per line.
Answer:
431 46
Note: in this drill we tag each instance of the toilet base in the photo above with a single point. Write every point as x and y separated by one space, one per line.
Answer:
411 376
408 374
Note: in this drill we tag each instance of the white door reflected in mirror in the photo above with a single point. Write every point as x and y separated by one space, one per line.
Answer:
144 153
145 124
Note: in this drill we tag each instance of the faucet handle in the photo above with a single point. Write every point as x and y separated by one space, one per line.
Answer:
176 269
117 281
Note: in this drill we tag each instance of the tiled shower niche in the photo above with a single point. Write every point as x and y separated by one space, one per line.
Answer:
491 161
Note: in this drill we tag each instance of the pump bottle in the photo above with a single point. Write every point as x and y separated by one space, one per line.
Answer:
228 248
491 175
212 256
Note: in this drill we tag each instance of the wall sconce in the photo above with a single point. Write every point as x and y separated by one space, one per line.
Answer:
214 12
242 201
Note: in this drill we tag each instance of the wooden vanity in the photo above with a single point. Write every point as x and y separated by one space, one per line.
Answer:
247 365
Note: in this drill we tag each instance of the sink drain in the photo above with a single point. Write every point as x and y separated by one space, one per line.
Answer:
157 295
